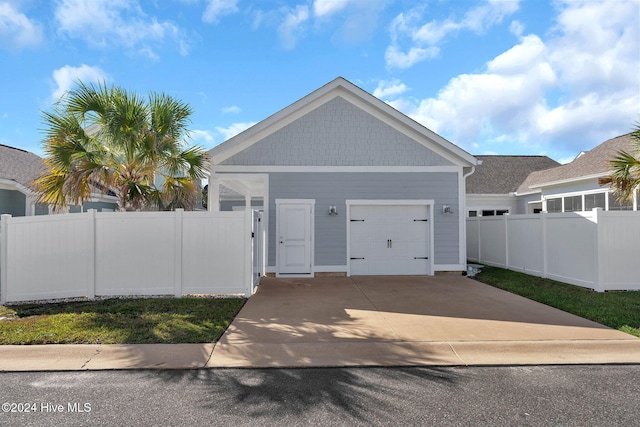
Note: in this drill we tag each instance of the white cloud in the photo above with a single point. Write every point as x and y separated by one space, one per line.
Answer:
395 58
493 12
233 109
201 135
16 30
347 21
405 29
66 77
387 88
217 8
115 23
328 7
234 129
567 93
292 27
517 28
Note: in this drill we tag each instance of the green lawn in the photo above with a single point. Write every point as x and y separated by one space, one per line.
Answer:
119 321
618 310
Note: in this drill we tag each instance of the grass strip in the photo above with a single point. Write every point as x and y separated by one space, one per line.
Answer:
119 321
618 310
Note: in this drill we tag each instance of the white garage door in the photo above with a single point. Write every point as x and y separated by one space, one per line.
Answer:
389 240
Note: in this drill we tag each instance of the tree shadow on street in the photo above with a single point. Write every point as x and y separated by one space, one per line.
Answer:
343 395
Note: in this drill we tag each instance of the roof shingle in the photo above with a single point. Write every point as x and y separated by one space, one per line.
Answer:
19 165
504 174
592 163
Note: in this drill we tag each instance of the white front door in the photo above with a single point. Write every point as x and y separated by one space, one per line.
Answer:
294 230
389 240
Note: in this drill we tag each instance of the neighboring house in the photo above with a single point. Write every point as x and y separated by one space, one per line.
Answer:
348 185
574 187
492 187
18 170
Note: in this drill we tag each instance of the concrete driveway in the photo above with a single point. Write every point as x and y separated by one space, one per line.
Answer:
409 321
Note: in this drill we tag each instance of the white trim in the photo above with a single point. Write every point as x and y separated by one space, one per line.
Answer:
9 184
449 267
489 195
330 268
462 214
386 202
311 203
224 169
391 202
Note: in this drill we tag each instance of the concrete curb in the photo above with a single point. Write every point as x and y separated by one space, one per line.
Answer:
78 357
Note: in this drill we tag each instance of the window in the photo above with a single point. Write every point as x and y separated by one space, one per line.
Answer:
494 212
619 205
473 213
554 205
594 201
573 204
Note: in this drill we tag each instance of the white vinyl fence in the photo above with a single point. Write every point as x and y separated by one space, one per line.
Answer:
125 253
598 250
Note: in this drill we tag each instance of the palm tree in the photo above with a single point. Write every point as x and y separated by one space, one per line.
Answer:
100 138
625 169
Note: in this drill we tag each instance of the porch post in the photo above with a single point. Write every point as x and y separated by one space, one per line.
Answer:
213 201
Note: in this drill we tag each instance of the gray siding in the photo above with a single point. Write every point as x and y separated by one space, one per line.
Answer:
522 203
335 188
338 134
12 202
582 186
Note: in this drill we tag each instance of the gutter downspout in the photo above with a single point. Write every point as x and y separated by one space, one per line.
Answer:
463 213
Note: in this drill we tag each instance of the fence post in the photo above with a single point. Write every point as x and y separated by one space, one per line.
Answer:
91 273
598 217
506 241
4 256
543 218
177 277
479 223
248 249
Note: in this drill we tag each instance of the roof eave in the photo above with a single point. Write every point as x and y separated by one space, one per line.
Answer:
570 180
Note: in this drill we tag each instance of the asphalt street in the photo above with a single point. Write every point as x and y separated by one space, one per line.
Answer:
593 395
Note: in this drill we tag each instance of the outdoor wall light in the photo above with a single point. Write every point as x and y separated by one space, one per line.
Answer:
446 209
333 210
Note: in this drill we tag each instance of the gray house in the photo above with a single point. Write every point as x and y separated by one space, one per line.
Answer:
574 187
349 186
18 170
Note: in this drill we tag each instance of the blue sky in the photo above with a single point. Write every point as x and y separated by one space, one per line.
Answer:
494 77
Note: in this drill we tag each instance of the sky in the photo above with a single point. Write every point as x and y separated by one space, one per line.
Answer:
530 77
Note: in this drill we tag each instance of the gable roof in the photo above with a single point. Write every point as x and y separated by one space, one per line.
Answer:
19 165
591 164
355 95
504 174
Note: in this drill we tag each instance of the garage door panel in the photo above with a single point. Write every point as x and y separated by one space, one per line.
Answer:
359 231
359 249
392 239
